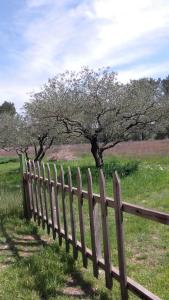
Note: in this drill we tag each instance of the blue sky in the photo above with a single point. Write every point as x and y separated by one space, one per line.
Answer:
40 38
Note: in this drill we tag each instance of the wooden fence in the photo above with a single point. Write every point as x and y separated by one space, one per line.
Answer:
47 201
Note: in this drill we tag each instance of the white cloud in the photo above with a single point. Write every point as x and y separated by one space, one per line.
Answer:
127 21
143 71
96 33
60 39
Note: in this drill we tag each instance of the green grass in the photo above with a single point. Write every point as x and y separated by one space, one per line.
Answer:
46 273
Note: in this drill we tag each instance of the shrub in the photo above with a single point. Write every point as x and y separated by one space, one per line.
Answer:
123 168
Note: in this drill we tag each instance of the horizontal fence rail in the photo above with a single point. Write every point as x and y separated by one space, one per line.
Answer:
51 203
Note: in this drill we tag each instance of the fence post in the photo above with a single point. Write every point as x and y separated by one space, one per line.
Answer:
26 211
105 230
81 218
64 207
120 236
93 225
56 190
72 215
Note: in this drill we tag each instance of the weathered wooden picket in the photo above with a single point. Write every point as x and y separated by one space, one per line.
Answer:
43 197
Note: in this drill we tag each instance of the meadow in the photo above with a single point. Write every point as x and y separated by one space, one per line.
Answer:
34 267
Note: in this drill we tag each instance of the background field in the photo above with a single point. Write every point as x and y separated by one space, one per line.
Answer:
33 267
138 148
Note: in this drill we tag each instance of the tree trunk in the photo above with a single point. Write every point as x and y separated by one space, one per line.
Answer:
42 149
42 155
39 153
35 149
97 153
26 154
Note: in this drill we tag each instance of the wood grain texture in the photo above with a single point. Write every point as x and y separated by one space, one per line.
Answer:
92 224
32 191
56 192
72 215
120 237
64 206
39 183
45 198
51 201
35 191
106 243
81 217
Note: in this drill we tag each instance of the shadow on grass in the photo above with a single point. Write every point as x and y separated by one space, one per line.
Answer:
5 160
61 279
17 246
52 272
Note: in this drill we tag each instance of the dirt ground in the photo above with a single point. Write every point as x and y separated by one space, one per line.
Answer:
69 152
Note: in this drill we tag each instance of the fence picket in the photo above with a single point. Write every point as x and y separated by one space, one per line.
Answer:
39 182
72 217
28 191
45 197
106 246
120 236
31 190
35 191
24 186
97 218
92 224
56 191
51 199
81 220
64 207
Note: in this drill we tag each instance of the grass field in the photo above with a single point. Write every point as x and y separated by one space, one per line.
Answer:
34 267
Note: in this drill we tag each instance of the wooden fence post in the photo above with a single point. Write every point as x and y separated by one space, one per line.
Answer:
36 192
51 201
45 198
28 187
25 200
64 206
81 219
93 225
120 236
56 190
31 189
72 215
105 230
40 193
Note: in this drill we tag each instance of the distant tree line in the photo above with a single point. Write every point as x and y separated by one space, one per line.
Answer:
90 106
8 107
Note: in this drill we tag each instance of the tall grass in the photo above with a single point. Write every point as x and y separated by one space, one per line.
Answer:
10 193
10 202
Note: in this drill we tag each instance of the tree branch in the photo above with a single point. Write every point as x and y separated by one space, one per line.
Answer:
110 146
